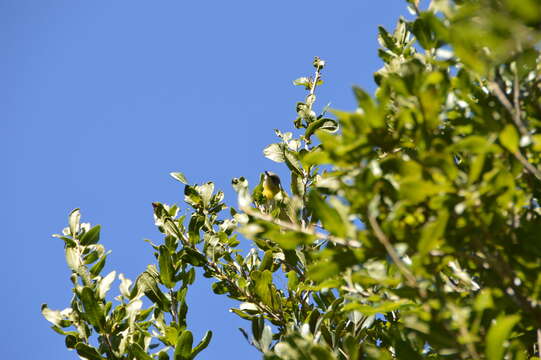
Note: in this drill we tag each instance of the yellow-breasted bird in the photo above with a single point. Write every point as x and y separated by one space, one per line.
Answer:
271 185
275 198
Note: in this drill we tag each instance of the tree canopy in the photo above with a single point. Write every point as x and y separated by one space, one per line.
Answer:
411 228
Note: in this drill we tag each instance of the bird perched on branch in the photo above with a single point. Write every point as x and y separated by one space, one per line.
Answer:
271 198
271 185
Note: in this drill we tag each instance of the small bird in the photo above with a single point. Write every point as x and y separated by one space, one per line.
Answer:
271 185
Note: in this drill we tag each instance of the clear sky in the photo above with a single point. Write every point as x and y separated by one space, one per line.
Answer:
101 99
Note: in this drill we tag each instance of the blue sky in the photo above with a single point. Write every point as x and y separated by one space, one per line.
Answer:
100 100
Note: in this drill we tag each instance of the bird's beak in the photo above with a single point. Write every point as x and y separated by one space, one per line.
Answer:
267 173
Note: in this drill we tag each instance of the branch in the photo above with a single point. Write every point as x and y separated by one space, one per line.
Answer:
515 112
516 101
109 345
516 116
539 342
532 169
314 83
391 251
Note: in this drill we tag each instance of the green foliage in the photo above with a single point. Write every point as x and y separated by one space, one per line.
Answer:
410 231
125 330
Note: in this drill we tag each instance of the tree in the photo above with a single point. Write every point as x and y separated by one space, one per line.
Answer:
411 232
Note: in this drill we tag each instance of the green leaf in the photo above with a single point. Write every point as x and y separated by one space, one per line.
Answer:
474 143
74 221
498 334
292 161
170 228
292 280
98 267
365 101
369 310
205 191
139 353
53 316
386 40
267 261
415 191
162 355
266 339
289 240
92 236
179 176
316 156
242 314
323 270
202 344
147 282
70 341
194 227
194 257
183 348
423 34
432 233
324 124
275 152
297 185
190 276
509 138
220 288
166 267
73 258
68 241
330 218
192 196
263 285
304 81
171 335
105 284
483 300
87 352
90 258
93 311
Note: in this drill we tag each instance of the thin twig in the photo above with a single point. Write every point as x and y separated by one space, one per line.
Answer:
173 306
539 342
515 112
110 345
516 116
532 169
314 83
516 101
391 251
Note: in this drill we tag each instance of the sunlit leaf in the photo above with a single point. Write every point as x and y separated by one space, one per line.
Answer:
498 334
179 176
